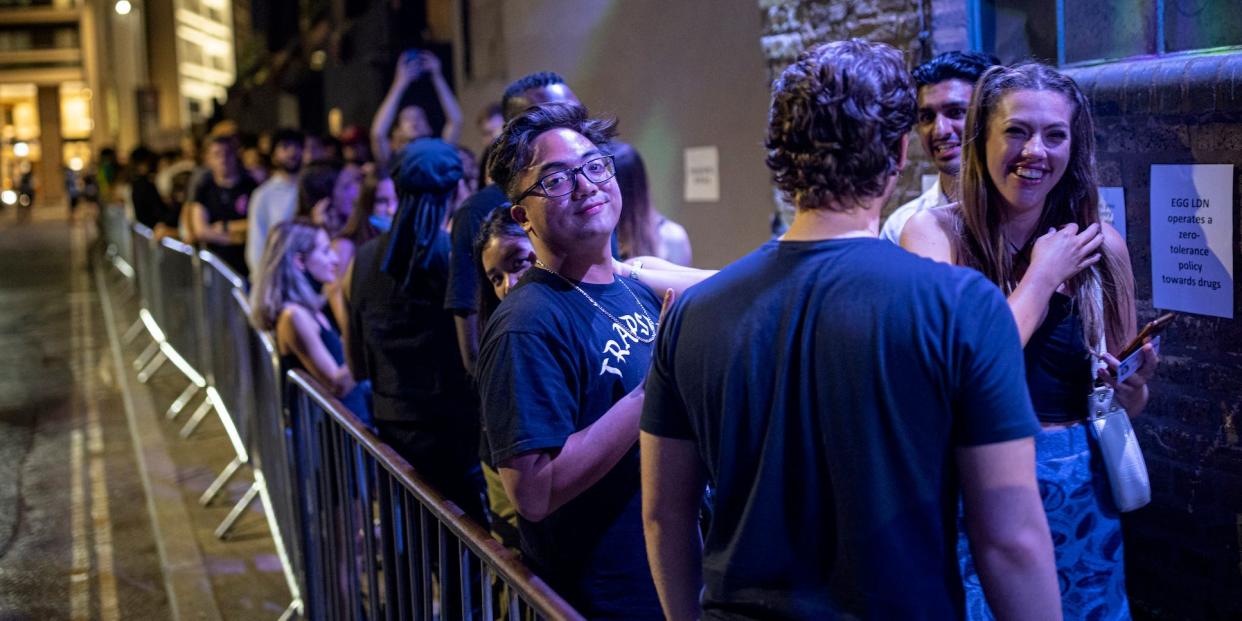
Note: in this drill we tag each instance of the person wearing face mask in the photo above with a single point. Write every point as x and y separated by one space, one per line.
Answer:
287 299
276 199
371 216
945 84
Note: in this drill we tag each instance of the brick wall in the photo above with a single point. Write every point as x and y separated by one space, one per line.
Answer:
1182 552
790 26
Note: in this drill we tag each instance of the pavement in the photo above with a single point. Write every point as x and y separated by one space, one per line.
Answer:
99 512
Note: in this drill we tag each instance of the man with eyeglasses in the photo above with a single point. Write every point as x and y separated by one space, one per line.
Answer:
561 367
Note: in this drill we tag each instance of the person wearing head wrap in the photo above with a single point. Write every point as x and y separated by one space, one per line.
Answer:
401 338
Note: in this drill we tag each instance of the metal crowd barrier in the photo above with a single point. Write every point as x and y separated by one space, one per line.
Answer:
359 535
351 480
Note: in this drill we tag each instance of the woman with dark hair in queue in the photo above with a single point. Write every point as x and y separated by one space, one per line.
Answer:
1029 221
643 231
287 299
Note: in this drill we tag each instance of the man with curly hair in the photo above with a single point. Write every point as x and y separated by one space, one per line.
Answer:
842 395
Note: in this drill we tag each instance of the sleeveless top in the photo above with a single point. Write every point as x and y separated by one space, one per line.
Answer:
406 343
1058 364
331 340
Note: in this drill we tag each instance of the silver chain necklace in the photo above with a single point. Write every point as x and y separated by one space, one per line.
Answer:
632 333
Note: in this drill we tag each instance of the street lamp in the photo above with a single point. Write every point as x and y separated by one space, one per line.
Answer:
123 7
21 149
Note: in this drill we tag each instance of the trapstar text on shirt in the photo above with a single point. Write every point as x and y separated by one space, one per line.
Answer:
618 349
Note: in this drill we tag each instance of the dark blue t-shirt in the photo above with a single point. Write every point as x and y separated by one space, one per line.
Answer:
826 385
551 364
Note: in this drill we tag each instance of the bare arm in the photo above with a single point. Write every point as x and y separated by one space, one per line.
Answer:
541 482
298 327
202 231
660 274
468 339
673 477
925 236
381 124
444 94
1008 530
676 242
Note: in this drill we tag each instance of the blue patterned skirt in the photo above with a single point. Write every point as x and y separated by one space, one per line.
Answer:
1086 531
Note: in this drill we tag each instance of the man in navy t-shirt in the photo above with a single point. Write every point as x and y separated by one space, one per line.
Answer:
561 367
840 393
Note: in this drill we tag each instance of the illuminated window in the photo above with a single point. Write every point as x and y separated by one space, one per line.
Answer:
1071 32
75 111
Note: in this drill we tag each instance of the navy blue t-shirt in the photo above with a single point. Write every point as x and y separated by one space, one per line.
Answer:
551 364
826 385
462 295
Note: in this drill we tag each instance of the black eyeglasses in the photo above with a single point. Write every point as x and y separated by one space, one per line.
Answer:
563 182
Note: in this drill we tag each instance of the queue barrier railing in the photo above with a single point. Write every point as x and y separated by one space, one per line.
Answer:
350 480
359 535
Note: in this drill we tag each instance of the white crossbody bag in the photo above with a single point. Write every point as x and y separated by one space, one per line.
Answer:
1119 446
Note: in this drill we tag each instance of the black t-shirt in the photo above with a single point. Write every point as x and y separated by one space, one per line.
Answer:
826 385
462 296
551 364
405 343
149 207
224 205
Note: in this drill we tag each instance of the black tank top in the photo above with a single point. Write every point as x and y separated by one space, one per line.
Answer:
1058 364
408 342
331 340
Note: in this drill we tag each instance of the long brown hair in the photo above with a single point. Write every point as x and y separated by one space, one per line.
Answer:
279 282
980 242
638 230
358 228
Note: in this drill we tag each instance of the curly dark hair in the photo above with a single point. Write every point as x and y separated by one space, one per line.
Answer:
511 152
964 66
523 84
837 119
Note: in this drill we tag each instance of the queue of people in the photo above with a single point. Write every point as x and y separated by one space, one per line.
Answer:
854 420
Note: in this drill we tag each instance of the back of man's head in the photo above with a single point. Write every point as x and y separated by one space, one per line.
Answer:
512 151
837 121
964 66
518 96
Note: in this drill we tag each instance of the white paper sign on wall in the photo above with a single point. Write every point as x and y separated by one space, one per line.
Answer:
1113 203
702 175
1192 238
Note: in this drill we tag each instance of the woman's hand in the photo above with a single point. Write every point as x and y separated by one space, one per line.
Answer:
1060 254
1132 393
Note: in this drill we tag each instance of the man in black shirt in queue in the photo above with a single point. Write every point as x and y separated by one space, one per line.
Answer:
561 367
840 393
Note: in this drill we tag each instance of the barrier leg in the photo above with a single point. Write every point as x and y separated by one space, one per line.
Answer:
220 481
152 367
199 415
291 610
183 400
132 333
239 508
146 355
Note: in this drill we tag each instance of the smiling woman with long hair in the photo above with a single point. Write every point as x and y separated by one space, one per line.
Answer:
1029 221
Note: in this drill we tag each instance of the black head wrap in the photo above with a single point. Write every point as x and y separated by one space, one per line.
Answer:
425 174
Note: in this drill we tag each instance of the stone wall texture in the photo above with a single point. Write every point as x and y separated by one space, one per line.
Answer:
1184 551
